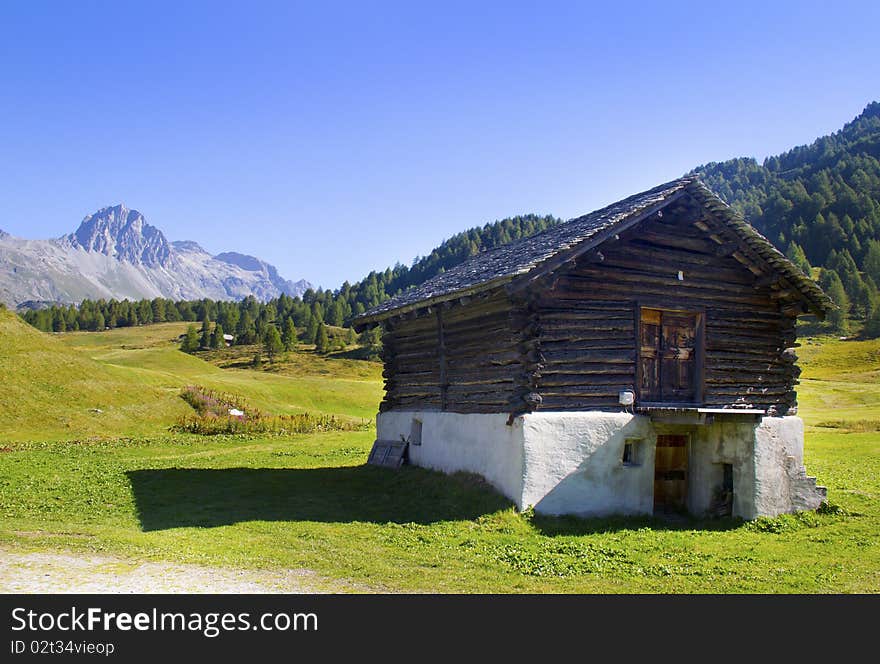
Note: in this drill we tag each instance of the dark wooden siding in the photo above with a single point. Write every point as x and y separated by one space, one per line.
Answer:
471 368
588 321
572 337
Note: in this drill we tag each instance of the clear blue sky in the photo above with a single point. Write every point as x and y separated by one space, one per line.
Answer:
335 138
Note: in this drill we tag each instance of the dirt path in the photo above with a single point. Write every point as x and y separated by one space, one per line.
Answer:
44 572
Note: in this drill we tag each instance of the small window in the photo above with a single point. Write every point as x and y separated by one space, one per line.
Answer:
727 482
631 452
415 432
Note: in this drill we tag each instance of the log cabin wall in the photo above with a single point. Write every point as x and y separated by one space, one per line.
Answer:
469 364
588 319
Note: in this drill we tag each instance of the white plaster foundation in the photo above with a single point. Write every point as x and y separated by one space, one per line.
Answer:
571 463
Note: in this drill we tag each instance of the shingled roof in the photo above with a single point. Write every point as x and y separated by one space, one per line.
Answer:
535 255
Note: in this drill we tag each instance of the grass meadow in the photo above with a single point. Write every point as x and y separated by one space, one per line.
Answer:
120 482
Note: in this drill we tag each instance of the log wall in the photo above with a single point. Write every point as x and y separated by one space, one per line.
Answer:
569 341
588 317
469 364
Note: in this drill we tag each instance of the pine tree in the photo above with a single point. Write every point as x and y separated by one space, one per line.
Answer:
217 336
272 342
245 332
322 341
311 333
288 336
205 340
99 321
158 307
833 286
796 255
190 343
872 261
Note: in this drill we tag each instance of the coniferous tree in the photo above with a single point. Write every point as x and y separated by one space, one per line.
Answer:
190 343
872 261
311 332
288 336
205 339
796 255
833 286
322 341
272 342
217 336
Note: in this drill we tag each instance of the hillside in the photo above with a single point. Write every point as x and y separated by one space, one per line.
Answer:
51 391
819 203
54 385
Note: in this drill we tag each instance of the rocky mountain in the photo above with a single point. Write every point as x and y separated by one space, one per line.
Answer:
115 253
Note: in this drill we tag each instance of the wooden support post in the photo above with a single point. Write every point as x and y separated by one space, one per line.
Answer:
441 354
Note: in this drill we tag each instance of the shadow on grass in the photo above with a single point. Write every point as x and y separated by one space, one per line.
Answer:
551 526
196 497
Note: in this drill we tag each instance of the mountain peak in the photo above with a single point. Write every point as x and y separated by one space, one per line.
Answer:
124 234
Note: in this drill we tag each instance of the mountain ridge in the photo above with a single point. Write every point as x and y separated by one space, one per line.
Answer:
115 253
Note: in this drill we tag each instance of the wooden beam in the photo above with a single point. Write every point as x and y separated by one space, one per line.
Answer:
441 352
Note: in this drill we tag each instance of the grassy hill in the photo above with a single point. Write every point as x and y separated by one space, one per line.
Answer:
51 391
55 384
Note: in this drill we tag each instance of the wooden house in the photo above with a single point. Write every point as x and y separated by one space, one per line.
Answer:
637 359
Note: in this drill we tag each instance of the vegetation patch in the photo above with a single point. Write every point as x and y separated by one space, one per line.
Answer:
222 413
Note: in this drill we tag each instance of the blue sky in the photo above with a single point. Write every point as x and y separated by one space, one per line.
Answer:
335 138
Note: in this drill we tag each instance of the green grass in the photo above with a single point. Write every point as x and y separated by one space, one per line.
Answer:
50 391
310 502
150 352
840 382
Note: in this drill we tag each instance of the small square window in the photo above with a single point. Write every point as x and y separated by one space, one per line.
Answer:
631 452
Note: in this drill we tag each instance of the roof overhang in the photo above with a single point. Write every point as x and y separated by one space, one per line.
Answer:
364 322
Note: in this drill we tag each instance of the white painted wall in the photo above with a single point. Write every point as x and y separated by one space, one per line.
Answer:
476 443
710 447
781 484
571 463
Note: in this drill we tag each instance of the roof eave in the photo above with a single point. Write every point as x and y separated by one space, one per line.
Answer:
814 299
363 322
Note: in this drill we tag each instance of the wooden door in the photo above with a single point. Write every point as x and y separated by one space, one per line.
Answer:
669 356
670 473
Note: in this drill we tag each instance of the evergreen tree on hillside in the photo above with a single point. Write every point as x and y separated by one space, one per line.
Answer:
310 334
205 339
158 308
245 332
322 341
872 261
272 342
288 336
190 343
796 255
833 287
217 337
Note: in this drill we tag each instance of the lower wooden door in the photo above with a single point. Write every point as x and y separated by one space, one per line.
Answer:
671 473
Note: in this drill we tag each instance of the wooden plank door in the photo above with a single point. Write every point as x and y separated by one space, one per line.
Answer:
670 473
669 356
678 351
649 354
